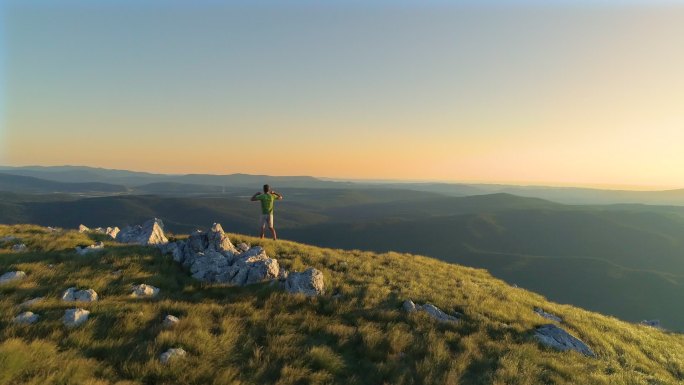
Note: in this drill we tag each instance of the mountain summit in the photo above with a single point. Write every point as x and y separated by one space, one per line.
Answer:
383 318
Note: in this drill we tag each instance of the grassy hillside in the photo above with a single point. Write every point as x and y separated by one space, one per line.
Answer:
622 260
355 334
626 263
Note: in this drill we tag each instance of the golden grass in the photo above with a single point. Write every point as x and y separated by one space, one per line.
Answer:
355 334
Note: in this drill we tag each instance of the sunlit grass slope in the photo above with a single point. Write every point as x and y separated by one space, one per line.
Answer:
355 334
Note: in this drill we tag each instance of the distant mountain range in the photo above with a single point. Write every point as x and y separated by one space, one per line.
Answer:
143 183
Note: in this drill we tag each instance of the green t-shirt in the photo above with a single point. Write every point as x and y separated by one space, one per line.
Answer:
266 202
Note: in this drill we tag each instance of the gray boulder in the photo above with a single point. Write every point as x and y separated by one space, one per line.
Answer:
26 318
170 321
12 276
149 233
309 282
654 323
242 247
8 238
31 302
171 355
552 336
19 248
432 310
75 317
209 266
73 295
83 228
175 249
89 249
144 291
546 315
408 306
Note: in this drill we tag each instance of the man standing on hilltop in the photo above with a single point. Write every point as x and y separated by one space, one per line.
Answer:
267 202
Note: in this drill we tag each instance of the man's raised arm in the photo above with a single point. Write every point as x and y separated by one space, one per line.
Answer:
254 197
279 196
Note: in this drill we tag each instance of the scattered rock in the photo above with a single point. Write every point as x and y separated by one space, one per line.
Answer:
654 323
75 317
170 321
144 291
309 282
117 273
112 231
12 276
92 248
171 354
52 229
432 310
73 295
9 238
83 228
552 336
211 257
150 233
409 306
546 315
31 302
242 247
19 248
26 318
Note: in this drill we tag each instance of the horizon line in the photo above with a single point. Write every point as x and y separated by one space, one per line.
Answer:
380 180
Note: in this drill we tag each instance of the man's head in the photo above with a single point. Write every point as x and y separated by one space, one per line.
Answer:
267 188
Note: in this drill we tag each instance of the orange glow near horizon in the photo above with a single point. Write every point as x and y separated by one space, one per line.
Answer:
574 96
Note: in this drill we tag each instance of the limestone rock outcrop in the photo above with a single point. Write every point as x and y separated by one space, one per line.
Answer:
12 276
547 315
26 318
75 317
654 323
73 295
19 248
309 282
170 321
144 291
212 257
171 355
552 336
31 302
432 310
112 231
99 246
8 238
149 233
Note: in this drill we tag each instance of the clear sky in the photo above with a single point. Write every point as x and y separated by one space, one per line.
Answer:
545 92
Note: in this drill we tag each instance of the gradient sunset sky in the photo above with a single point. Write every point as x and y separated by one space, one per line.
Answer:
542 92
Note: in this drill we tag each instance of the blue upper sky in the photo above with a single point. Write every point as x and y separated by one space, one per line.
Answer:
578 92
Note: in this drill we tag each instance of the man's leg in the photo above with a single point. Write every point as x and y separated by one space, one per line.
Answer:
271 227
262 223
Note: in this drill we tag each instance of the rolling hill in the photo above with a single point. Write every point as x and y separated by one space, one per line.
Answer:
356 333
27 184
623 260
208 183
